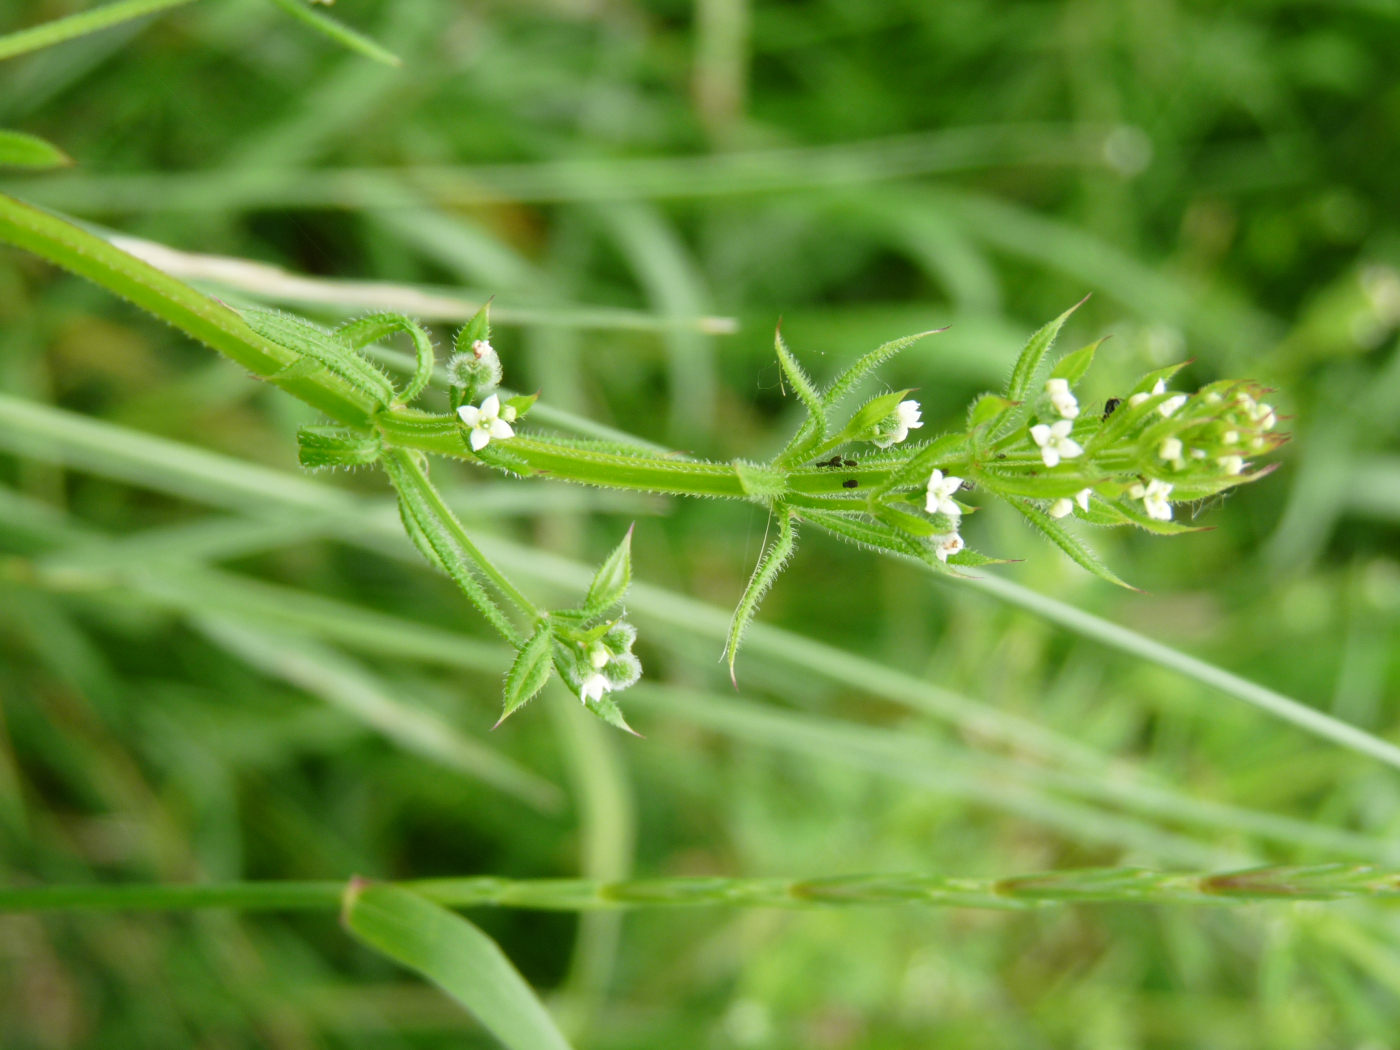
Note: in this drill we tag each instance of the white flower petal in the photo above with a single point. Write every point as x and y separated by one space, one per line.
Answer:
1040 433
1069 448
1060 508
1082 498
469 414
1051 455
491 407
501 429
481 437
1062 428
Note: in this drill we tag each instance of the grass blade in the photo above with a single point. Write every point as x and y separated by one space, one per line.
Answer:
1090 626
454 955
18 150
339 32
61 29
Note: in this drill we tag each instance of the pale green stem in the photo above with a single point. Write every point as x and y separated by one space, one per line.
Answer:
1322 882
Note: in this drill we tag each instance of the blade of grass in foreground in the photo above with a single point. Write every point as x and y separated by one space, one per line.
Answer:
53 434
454 955
1100 630
61 29
1287 884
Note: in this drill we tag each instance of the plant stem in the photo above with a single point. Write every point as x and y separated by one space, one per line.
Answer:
1321 882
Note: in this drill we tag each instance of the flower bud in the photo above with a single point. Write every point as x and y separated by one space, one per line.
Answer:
473 373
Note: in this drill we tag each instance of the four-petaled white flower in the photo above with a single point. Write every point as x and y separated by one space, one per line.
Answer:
1055 442
1154 499
1061 398
1061 507
1082 498
947 544
1171 449
593 688
906 418
940 494
1232 464
487 422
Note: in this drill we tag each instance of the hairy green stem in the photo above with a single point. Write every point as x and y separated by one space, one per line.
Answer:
1321 882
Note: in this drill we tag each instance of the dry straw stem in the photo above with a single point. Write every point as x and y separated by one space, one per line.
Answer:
1322 882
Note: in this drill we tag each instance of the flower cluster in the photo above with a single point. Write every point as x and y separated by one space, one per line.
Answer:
603 665
947 513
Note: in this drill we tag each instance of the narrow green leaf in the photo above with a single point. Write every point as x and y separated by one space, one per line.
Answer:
917 470
322 447
456 956
325 348
479 327
873 535
338 31
1164 375
366 330
18 150
531 670
1066 541
433 525
1136 517
613 578
770 563
843 384
865 419
522 403
61 29
1022 375
1072 367
986 409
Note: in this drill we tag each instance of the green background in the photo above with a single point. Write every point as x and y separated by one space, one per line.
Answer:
1220 177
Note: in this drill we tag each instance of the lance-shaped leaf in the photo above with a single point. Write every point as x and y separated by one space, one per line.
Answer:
612 579
867 417
1072 367
843 384
522 403
770 563
18 150
371 329
1132 516
531 670
987 409
479 327
433 526
874 535
1023 374
813 429
456 956
316 344
319 448
1066 541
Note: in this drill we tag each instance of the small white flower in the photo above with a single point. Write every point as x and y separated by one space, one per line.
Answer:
1171 404
1232 464
948 543
1198 453
486 422
598 656
1055 442
940 494
1230 437
1061 507
1171 448
1154 499
1264 416
1136 399
1082 498
907 417
1061 398
594 687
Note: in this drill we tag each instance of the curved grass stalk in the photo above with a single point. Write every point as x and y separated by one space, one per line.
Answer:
1321 882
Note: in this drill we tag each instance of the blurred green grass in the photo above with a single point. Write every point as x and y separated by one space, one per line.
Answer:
1221 179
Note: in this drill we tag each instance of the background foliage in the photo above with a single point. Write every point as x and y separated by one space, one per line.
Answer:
1220 176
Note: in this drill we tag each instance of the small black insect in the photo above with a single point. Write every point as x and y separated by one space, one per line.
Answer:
1110 405
850 483
834 461
850 463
